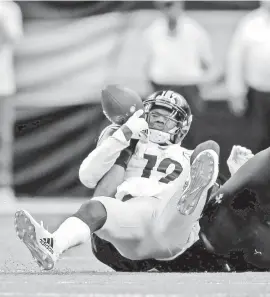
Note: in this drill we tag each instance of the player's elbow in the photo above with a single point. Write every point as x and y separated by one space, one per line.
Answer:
86 179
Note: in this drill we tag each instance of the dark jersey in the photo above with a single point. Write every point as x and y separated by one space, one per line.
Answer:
237 218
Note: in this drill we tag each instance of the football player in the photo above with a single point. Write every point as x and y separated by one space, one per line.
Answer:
236 222
196 258
168 194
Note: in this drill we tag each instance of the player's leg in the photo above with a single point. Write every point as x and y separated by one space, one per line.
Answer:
106 253
37 239
128 226
46 247
123 224
237 216
177 219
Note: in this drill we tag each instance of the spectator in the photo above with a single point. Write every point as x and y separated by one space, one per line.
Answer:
179 56
10 33
248 73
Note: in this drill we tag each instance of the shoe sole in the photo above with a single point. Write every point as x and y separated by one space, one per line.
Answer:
26 231
203 176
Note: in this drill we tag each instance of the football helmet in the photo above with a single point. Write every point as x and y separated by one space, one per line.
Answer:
180 113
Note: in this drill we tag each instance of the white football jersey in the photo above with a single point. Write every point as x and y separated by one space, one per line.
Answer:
155 170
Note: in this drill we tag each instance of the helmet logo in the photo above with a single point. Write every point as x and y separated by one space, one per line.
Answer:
171 96
132 109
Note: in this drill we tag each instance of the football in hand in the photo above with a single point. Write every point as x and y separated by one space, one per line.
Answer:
119 103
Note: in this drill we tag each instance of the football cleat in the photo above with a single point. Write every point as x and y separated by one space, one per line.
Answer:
203 175
38 240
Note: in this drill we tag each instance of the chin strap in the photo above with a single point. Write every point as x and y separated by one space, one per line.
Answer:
157 136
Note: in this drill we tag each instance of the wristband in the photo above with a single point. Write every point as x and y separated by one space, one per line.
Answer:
126 154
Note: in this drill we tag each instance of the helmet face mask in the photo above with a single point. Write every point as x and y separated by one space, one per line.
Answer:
161 118
176 120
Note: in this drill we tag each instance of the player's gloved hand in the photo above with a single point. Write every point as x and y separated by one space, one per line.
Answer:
136 126
238 157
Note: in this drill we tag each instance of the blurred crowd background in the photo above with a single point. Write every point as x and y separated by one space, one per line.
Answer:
56 56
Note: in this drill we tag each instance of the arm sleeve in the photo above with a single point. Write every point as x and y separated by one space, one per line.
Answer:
126 154
101 160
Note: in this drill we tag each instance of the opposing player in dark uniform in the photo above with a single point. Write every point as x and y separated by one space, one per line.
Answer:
236 222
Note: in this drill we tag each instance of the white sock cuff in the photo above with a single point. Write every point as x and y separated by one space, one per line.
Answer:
71 232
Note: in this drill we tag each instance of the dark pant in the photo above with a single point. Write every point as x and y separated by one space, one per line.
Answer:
238 216
191 94
258 114
194 259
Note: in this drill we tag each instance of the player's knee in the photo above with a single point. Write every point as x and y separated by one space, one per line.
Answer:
92 213
207 145
161 229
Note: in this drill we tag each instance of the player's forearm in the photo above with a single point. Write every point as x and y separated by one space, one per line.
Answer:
101 160
107 186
